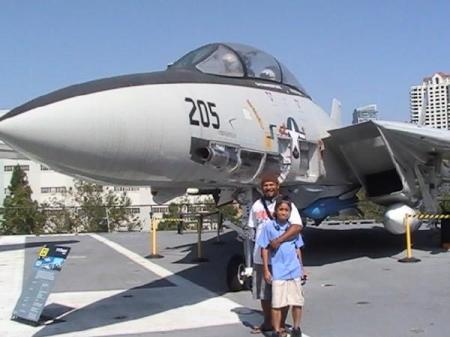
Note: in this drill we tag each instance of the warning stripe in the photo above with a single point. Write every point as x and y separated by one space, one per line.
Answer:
427 216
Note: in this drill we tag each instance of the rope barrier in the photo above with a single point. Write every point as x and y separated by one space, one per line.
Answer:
154 242
429 216
153 235
423 216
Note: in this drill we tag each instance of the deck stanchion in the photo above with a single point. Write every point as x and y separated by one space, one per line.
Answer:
409 258
219 228
445 233
200 258
153 239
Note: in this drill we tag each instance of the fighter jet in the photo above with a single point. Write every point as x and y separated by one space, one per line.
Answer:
217 120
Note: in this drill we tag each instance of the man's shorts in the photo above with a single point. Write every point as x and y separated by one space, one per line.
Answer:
286 293
260 288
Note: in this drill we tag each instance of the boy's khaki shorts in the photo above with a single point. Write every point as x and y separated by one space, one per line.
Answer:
286 293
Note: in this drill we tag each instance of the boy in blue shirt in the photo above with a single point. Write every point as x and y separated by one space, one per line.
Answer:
286 272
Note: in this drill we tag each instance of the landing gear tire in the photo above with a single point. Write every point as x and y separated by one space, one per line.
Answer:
236 279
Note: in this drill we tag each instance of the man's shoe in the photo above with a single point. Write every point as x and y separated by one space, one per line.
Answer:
296 332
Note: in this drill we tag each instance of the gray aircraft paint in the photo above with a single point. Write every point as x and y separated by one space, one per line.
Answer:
138 130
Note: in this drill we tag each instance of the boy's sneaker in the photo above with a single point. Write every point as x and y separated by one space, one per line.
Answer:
296 332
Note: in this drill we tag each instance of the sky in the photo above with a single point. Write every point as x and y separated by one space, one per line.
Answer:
360 52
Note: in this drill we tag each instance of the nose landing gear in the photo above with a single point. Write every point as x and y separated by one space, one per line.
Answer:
236 279
239 267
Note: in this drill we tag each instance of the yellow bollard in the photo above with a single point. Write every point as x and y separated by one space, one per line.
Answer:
154 226
408 237
153 240
409 258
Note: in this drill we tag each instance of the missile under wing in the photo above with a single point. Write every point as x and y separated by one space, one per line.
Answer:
396 163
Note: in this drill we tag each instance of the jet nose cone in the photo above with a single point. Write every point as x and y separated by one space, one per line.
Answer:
25 132
131 130
86 136
107 135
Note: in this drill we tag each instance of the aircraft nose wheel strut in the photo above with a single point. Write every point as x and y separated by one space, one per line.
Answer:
237 278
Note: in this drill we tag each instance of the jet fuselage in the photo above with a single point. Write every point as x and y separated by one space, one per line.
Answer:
138 129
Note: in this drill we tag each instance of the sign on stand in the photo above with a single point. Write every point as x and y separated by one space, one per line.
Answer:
34 295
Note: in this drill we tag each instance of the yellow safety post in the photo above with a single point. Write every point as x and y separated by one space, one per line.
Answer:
154 227
154 247
409 258
200 258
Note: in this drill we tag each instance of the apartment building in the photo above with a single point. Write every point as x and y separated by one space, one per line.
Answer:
365 113
429 101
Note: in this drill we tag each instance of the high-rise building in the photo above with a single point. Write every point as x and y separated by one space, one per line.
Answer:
429 101
365 113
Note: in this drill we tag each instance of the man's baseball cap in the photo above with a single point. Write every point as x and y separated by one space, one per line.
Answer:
269 177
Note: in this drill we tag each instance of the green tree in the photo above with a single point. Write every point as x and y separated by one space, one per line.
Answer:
174 213
60 217
231 212
118 213
91 211
21 214
370 209
102 210
444 203
207 205
90 207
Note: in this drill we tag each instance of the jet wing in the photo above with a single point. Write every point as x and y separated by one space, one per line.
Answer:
6 152
395 162
419 139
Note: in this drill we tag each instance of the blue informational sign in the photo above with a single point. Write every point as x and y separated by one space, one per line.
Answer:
32 301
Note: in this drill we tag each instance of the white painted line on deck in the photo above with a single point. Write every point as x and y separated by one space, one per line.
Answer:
12 260
99 308
186 306
143 262
217 310
11 271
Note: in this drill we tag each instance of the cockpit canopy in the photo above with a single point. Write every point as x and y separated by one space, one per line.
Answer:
238 60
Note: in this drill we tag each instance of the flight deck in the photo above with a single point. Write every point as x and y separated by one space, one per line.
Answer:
108 287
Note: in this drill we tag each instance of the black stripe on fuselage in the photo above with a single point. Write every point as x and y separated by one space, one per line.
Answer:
162 77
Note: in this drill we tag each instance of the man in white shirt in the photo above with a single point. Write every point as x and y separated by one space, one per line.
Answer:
260 212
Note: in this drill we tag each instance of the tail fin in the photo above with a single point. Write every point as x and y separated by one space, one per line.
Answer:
336 113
